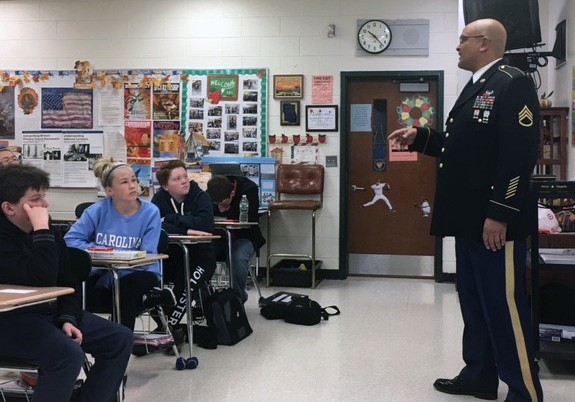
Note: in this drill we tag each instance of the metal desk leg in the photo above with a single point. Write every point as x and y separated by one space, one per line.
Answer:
230 263
116 315
115 297
189 317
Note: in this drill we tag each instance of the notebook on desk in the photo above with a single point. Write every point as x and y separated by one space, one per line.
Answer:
98 253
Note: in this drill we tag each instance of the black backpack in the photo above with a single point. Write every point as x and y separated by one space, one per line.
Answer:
226 317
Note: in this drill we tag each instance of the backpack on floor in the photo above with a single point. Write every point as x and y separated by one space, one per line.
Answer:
227 317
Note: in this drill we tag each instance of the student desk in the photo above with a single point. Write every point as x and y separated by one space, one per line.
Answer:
14 296
182 241
228 226
117 265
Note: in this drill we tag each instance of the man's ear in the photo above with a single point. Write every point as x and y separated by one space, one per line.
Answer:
7 208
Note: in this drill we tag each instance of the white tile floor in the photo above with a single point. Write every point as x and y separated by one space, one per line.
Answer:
393 338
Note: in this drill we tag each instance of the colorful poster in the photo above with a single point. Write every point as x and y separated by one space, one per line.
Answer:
166 102
322 89
137 102
168 141
66 108
138 138
222 88
7 113
143 170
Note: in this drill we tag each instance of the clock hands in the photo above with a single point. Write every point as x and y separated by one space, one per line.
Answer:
376 38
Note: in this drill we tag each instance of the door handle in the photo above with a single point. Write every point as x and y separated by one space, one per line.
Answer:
356 188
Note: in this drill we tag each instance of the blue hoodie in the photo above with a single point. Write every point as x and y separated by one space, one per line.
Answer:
101 225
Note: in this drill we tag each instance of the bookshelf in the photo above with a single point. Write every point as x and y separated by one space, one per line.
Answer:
553 143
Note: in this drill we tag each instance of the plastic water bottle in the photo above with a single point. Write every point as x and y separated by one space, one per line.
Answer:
244 208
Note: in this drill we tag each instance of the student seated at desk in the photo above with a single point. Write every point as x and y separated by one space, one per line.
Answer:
7 157
55 336
122 221
187 210
226 193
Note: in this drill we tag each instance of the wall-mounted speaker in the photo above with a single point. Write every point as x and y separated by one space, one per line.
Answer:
520 18
409 38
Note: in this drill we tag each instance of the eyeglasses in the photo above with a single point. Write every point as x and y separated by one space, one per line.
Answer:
464 38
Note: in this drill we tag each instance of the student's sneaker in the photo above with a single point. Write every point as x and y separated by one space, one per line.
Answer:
160 297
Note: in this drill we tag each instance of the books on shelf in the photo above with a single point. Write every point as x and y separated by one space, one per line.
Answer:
556 333
108 253
557 255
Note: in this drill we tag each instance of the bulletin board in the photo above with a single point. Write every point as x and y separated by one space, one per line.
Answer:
65 120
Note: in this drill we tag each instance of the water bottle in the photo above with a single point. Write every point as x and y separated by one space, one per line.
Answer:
244 208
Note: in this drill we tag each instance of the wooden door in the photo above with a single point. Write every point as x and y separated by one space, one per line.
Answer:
389 192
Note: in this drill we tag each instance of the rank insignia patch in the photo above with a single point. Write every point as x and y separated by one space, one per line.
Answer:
526 117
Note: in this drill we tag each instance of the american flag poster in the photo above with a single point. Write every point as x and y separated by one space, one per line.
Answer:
66 108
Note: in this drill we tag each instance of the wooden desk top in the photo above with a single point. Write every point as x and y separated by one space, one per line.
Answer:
194 238
14 296
59 221
234 224
125 264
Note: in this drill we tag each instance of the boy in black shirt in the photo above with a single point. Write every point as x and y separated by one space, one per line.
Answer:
226 193
54 336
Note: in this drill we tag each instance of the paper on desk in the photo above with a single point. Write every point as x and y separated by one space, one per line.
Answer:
18 291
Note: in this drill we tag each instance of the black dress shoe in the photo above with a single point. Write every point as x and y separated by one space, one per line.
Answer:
456 387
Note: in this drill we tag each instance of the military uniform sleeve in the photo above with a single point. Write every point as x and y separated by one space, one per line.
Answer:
517 140
427 141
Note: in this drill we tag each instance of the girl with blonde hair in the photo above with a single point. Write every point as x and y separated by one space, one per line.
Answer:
122 221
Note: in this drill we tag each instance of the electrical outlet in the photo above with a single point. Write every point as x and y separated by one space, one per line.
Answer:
331 161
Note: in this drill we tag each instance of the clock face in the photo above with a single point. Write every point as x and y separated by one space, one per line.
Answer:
374 36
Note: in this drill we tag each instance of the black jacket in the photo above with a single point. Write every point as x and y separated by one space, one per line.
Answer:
486 156
243 185
39 259
197 214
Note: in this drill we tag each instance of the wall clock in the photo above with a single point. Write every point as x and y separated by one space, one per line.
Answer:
374 36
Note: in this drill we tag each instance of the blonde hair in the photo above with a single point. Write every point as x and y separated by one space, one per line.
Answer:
104 169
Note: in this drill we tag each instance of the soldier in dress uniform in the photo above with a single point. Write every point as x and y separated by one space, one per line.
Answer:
486 156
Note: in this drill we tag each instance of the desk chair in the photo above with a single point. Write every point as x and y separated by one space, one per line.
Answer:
221 277
297 181
81 207
163 244
19 388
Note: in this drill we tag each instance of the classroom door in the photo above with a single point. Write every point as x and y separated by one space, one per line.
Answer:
390 192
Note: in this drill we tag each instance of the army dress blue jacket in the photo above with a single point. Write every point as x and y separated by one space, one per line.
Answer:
486 155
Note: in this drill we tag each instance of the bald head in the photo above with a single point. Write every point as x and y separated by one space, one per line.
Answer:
494 31
481 42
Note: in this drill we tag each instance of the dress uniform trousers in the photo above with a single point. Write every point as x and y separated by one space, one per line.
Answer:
498 337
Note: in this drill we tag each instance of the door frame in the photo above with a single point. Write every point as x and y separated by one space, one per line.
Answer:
346 78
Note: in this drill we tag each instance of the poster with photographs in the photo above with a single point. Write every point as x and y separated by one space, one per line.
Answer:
235 124
142 115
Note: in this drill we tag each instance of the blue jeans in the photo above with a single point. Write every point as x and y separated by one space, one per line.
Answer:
34 338
242 251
